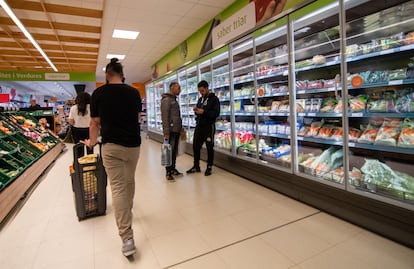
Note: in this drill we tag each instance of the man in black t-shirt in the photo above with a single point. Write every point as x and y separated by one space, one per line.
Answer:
115 109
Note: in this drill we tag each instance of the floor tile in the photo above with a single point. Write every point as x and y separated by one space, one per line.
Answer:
208 261
259 220
329 228
222 232
379 252
295 242
179 246
254 253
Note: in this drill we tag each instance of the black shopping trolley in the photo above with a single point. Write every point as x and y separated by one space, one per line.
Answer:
88 183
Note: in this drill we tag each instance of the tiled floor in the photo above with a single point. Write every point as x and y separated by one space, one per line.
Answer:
198 222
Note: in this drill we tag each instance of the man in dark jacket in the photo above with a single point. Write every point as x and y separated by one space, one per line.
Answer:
206 110
171 125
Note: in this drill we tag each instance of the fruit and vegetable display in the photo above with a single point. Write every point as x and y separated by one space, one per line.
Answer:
22 141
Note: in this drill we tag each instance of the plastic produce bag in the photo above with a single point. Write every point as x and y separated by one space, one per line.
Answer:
166 154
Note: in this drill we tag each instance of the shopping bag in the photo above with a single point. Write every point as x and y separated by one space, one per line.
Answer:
181 147
166 154
69 137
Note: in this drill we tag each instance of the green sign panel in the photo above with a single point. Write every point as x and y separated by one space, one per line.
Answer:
46 76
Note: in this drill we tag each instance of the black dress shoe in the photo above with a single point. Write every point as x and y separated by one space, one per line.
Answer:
170 177
175 172
193 170
208 171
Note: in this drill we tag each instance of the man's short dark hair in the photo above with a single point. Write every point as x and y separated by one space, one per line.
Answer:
173 83
203 84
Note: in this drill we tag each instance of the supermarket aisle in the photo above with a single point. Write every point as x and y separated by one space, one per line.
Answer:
219 222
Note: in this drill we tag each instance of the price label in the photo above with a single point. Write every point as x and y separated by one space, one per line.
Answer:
301 114
357 114
311 114
285 73
395 82
300 138
351 145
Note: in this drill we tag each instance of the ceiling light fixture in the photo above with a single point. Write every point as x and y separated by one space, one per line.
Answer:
119 56
125 34
26 33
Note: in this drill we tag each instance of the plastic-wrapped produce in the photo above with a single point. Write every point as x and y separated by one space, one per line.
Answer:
377 173
406 138
358 103
388 133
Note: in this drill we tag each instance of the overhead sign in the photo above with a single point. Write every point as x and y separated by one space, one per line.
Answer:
46 76
234 26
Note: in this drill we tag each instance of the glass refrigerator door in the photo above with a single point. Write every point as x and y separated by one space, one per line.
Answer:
319 100
182 80
243 100
273 97
380 63
150 106
158 91
221 87
205 70
191 98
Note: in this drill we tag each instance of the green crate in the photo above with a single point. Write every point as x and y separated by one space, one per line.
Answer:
23 157
18 164
9 170
4 145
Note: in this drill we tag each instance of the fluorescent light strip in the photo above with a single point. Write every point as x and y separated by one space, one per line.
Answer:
26 33
125 34
118 56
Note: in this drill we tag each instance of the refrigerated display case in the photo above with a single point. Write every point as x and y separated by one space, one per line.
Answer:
380 85
319 105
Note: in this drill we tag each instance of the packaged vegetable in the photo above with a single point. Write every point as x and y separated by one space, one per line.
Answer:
406 138
325 131
314 128
380 174
379 105
355 176
368 135
358 103
405 103
337 133
336 175
388 133
328 105
338 107
303 131
354 134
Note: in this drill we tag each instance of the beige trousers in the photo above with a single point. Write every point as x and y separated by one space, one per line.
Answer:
120 163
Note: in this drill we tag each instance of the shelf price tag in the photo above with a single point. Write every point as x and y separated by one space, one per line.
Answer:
359 114
395 82
300 138
351 145
311 114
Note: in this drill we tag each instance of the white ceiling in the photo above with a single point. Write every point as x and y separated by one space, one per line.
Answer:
163 25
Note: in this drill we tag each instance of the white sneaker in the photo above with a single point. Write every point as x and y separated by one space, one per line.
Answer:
128 248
